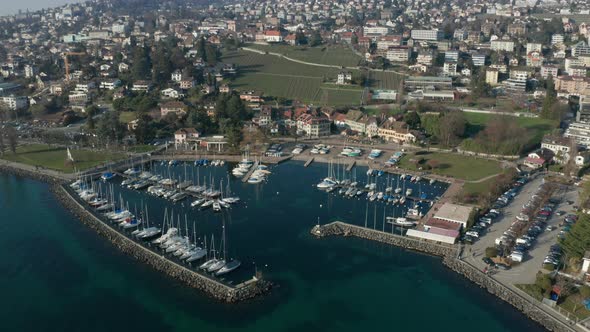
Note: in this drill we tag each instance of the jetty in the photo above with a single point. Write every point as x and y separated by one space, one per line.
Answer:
308 162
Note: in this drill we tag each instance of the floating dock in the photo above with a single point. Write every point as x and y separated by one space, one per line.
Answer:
308 162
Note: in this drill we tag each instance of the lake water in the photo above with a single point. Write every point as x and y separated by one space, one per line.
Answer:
59 275
12 7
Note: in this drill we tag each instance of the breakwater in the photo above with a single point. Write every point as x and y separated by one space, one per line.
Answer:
210 286
344 229
38 175
545 316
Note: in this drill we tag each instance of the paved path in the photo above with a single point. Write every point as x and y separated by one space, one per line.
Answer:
44 171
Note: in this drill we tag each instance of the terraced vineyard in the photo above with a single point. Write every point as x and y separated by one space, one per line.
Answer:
385 80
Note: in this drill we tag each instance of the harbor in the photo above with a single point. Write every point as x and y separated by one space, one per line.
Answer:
269 232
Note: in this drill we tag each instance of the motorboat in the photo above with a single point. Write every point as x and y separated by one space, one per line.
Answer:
216 206
327 183
107 176
401 222
409 191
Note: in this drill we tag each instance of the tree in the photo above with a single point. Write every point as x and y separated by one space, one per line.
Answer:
433 163
300 38
412 119
110 128
211 54
2 145
316 38
12 136
144 131
452 127
91 111
547 111
141 68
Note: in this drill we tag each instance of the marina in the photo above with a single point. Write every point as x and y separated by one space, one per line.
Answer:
270 230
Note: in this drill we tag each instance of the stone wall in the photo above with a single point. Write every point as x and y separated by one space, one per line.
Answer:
531 309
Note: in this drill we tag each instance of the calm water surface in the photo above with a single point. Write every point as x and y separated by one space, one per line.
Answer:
56 274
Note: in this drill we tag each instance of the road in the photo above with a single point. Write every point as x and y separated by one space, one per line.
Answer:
525 272
77 127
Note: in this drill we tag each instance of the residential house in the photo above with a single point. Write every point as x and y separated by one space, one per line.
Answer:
186 135
141 86
344 77
313 126
559 145
176 107
396 131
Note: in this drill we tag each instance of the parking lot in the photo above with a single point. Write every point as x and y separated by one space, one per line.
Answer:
525 271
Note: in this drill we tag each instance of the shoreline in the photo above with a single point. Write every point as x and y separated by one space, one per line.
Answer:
451 258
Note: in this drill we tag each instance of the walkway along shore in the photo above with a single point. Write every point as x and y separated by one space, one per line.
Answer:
451 258
212 287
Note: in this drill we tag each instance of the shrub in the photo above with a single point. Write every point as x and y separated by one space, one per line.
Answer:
491 252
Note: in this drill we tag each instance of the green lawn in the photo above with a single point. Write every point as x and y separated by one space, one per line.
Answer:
327 55
537 126
479 187
279 77
127 117
457 166
55 157
142 148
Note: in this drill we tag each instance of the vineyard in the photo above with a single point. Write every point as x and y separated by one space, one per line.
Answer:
385 80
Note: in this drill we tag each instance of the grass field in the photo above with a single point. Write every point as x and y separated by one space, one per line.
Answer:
457 166
127 117
54 157
283 78
537 126
327 55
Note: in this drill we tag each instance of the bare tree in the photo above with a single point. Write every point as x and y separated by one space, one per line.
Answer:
11 135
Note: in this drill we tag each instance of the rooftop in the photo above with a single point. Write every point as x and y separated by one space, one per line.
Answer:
454 212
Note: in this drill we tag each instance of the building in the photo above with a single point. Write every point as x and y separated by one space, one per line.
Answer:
15 103
344 77
479 60
313 126
398 53
354 121
502 45
141 86
186 135
395 131
547 70
583 114
534 47
425 58
176 76
175 107
437 230
429 35
273 36
534 59
492 76
110 84
79 98
579 132
376 30
436 95
539 158
450 68
428 82
517 81
452 56
557 39
581 48
559 145
454 213
573 86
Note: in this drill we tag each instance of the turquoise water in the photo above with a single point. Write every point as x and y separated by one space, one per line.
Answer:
59 275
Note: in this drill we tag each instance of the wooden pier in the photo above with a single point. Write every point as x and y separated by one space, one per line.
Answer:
250 171
308 162
350 166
